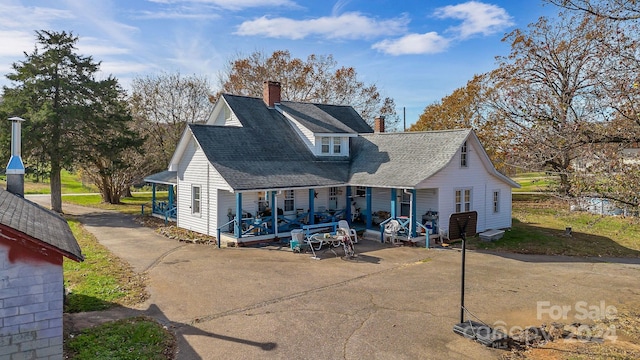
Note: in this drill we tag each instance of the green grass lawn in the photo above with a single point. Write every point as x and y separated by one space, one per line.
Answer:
70 184
102 280
137 338
129 205
539 228
534 182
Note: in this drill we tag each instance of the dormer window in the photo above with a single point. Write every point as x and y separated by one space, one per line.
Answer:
331 145
337 143
326 145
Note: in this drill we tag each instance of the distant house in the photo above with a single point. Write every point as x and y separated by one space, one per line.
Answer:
317 163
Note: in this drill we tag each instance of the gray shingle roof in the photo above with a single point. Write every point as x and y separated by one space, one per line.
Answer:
324 118
266 152
402 159
38 223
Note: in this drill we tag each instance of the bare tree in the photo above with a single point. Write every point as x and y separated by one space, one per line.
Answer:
318 79
467 107
162 105
558 90
620 10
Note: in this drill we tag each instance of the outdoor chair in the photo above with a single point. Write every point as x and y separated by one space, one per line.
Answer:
391 231
343 224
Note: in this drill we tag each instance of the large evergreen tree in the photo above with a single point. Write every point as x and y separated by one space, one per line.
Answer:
56 91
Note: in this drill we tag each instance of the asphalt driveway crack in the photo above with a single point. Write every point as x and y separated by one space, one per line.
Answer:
161 257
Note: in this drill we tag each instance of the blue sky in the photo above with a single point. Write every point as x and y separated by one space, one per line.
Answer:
415 51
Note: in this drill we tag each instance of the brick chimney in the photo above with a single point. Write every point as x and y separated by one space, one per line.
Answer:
271 93
378 124
15 167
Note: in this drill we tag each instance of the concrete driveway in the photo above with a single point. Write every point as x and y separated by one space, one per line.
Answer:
393 303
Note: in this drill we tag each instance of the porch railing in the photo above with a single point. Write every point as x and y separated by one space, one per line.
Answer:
219 230
404 228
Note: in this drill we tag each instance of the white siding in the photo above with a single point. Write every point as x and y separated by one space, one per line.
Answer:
223 116
381 199
194 170
427 199
226 204
481 182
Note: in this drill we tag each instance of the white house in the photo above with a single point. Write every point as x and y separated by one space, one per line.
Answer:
316 163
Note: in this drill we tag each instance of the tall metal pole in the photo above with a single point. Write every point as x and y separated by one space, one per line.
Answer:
462 281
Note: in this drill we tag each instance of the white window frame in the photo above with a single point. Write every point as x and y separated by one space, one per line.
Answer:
464 155
337 145
196 201
462 200
326 139
333 198
331 145
289 205
496 201
361 190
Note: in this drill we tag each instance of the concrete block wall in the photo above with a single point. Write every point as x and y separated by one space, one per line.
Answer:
31 304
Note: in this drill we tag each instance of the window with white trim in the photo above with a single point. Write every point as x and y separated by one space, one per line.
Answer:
361 190
496 201
325 145
289 201
331 145
337 145
463 200
464 155
333 198
195 199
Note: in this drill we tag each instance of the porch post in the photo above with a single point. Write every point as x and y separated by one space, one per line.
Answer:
153 197
312 213
170 196
348 209
369 215
413 227
274 212
394 199
238 215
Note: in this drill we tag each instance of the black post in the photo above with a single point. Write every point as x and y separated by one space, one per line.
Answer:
462 281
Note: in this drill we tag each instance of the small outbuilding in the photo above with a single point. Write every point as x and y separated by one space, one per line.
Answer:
33 241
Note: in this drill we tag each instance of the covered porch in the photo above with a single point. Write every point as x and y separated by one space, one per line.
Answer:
165 209
368 210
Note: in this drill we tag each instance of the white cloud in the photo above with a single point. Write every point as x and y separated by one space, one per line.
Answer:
232 4
477 18
32 17
429 43
183 14
351 25
15 43
98 47
123 67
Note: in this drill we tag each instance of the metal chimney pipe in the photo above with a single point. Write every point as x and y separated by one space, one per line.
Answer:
15 167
